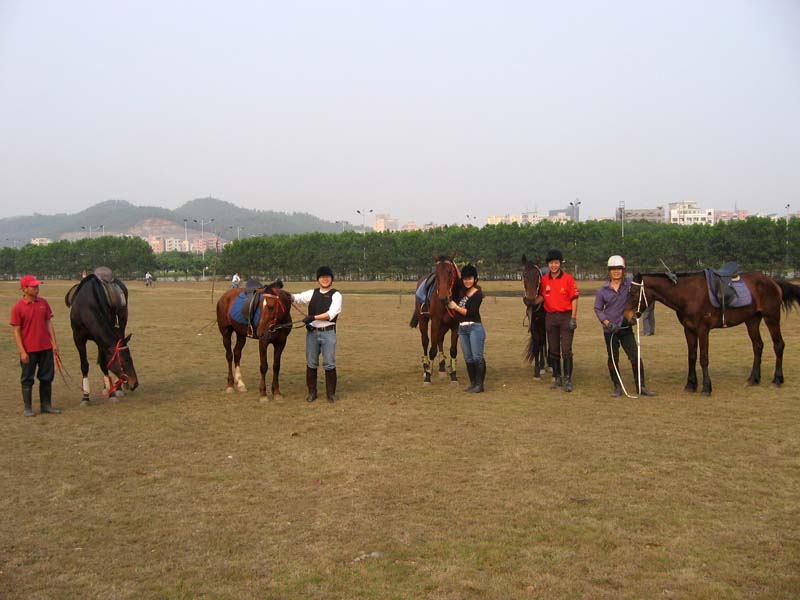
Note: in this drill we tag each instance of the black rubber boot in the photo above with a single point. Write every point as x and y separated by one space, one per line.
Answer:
556 364
311 383
472 369
568 374
330 385
45 398
480 375
27 399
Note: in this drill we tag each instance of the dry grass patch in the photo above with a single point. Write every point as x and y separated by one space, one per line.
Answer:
398 491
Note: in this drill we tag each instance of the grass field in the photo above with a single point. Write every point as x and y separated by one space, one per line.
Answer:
179 490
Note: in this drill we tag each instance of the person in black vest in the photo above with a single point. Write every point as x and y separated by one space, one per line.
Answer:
324 306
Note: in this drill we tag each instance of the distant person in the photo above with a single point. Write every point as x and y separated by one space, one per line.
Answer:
236 280
609 306
649 320
324 307
148 279
470 329
32 320
560 295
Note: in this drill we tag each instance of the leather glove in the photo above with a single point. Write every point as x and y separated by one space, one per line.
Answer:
308 320
452 305
573 324
613 327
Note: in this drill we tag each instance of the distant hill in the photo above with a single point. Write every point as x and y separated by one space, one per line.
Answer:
120 216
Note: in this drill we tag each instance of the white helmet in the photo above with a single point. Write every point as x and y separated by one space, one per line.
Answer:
616 262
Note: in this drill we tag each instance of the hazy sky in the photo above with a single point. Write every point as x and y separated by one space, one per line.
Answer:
425 110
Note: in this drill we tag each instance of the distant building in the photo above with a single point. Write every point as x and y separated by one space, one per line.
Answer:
156 243
652 215
410 226
731 215
562 215
176 245
572 212
688 213
41 241
384 222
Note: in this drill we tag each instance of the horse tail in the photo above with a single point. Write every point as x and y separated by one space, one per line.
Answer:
414 320
790 293
531 350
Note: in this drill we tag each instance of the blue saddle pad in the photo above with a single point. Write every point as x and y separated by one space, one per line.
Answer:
236 310
423 295
743 295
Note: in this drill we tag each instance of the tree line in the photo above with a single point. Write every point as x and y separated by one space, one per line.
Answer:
756 244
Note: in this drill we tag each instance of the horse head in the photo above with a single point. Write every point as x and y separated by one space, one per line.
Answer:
447 277
637 299
532 280
121 363
275 306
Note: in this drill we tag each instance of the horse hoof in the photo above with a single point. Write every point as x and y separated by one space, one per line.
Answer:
229 390
705 393
263 398
426 383
454 381
277 397
85 402
689 390
242 389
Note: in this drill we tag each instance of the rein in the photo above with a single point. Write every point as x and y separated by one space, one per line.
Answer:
123 377
455 274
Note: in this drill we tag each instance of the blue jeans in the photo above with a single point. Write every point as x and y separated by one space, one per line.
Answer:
324 342
472 339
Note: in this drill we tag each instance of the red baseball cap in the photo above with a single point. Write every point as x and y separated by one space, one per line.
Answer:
28 281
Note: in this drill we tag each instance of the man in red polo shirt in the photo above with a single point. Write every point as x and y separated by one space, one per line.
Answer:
560 294
31 319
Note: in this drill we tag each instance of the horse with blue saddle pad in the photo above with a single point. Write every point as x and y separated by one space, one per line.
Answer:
718 298
262 313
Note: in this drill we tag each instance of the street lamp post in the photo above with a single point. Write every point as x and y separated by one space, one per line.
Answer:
203 232
186 233
576 215
471 219
622 219
342 223
787 238
364 212
238 230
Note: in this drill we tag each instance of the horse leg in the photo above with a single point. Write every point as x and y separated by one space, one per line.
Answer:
276 369
426 363
753 326
774 326
80 344
691 343
702 337
263 346
226 342
241 339
453 354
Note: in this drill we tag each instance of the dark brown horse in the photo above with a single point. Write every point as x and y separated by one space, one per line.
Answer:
273 327
687 295
99 313
536 353
447 280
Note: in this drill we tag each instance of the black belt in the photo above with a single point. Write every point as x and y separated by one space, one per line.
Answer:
326 328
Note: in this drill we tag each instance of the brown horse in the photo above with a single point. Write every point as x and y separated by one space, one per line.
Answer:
273 327
687 295
447 279
536 352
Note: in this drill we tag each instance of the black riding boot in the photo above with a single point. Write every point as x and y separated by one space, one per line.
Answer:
472 369
27 399
556 364
45 396
568 374
330 385
311 383
645 391
617 392
480 375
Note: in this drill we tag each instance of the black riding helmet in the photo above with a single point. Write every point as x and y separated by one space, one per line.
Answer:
554 254
325 270
469 271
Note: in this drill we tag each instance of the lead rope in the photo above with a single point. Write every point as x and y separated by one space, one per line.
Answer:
642 298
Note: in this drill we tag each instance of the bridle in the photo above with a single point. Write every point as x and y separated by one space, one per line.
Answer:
454 275
123 376
642 298
530 305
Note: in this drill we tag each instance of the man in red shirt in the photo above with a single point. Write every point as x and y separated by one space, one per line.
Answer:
560 295
31 319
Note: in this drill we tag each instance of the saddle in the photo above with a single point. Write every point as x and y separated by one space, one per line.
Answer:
250 305
721 286
424 293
